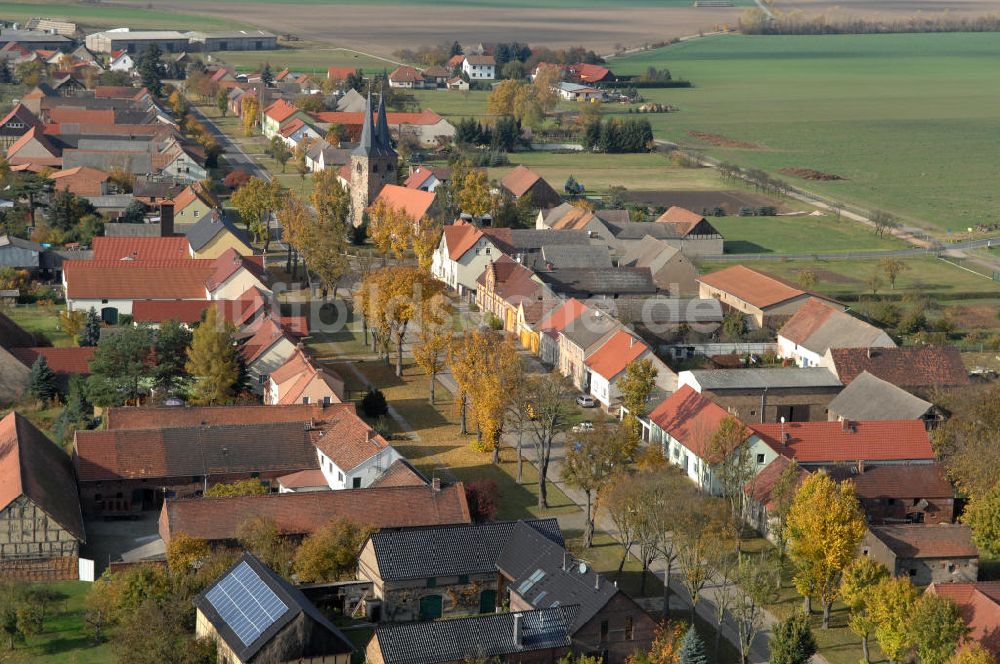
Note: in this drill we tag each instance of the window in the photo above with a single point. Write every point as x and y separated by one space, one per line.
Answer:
760 458
891 501
305 400
326 401
913 572
196 213
356 483
629 628
951 568
340 475
432 582
604 630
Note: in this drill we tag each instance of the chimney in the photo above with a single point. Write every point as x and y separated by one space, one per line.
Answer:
597 581
861 466
166 218
566 560
517 629
436 484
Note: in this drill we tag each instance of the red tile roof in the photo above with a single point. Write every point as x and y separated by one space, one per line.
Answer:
520 180
137 280
460 237
617 353
414 202
917 540
81 180
140 248
590 73
923 480
756 288
349 441
158 311
190 194
192 416
265 335
561 317
298 372
193 451
339 73
979 604
761 488
74 115
690 418
32 465
61 360
683 216
421 174
911 366
216 519
832 442
280 110
405 74
304 479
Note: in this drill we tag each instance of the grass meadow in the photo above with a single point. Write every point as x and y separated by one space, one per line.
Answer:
304 60
495 4
102 16
908 119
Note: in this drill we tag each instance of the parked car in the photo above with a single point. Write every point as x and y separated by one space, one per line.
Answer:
583 426
586 401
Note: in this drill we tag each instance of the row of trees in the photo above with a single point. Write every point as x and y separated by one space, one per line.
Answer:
526 101
760 180
618 136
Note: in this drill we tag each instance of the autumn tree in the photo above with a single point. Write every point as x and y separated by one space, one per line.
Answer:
892 268
325 240
549 397
891 604
733 465
389 228
884 222
977 654
222 102
666 647
755 577
825 526
433 337
475 196
621 501
969 436
212 361
294 218
636 387
184 552
936 628
782 498
592 459
261 536
670 492
982 514
807 278
698 530
256 201
330 553
424 239
250 108
248 487
860 579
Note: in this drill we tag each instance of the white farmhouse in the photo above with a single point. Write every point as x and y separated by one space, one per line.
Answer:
351 454
479 67
461 256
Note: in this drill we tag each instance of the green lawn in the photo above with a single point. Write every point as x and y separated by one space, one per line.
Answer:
304 60
40 320
500 4
66 639
909 119
112 16
802 234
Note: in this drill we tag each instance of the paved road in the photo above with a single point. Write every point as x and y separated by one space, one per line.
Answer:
232 152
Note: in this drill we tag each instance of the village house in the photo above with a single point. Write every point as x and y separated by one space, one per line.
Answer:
522 181
576 92
683 425
521 637
277 115
552 324
20 254
608 363
16 124
427 178
588 73
767 394
503 286
303 380
597 282
215 234
893 494
871 398
41 525
538 573
424 573
406 77
193 204
979 605
479 67
766 489
461 256
819 326
766 300
268 348
825 444
216 520
121 61
917 369
283 626
672 271
352 455
82 181
579 339
941 553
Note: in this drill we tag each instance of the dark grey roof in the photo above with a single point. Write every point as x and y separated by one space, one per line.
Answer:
131 162
111 201
871 398
544 574
636 230
209 226
289 595
147 188
575 256
663 310
375 140
426 551
11 241
589 327
480 636
586 282
520 240
756 379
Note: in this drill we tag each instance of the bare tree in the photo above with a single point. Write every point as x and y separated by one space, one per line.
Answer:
755 576
884 222
619 499
549 397
592 460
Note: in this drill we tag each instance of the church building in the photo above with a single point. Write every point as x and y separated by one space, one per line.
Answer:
373 162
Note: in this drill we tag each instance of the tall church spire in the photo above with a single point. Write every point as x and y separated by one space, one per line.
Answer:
367 145
382 128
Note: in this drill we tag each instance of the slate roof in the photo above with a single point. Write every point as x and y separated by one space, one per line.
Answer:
452 550
32 465
871 398
911 366
210 226
590 281
11 241
490 635
764 378
818 326
545 575
832 442
217 519
517 240
588 328
918 540
755 288
193 451
574 257
295 603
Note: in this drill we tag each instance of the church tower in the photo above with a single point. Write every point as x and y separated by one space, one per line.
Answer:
373 162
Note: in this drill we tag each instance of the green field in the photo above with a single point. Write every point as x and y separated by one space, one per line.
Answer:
65 639
501 4
304 60
114 16
805 234
909 119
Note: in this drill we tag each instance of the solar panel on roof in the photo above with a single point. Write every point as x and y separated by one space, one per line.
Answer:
245 603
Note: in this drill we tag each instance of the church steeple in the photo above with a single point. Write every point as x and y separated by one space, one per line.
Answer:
382 128
373 162
375 141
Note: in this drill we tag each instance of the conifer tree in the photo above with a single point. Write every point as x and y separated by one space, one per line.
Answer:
42 380
692 648
91 329
212 361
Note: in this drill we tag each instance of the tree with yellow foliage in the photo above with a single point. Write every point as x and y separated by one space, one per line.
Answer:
475 197
974 655
503 97
434 333
251 109
546 79
389 228
255 201
424 239
824 527
859 581
891 605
